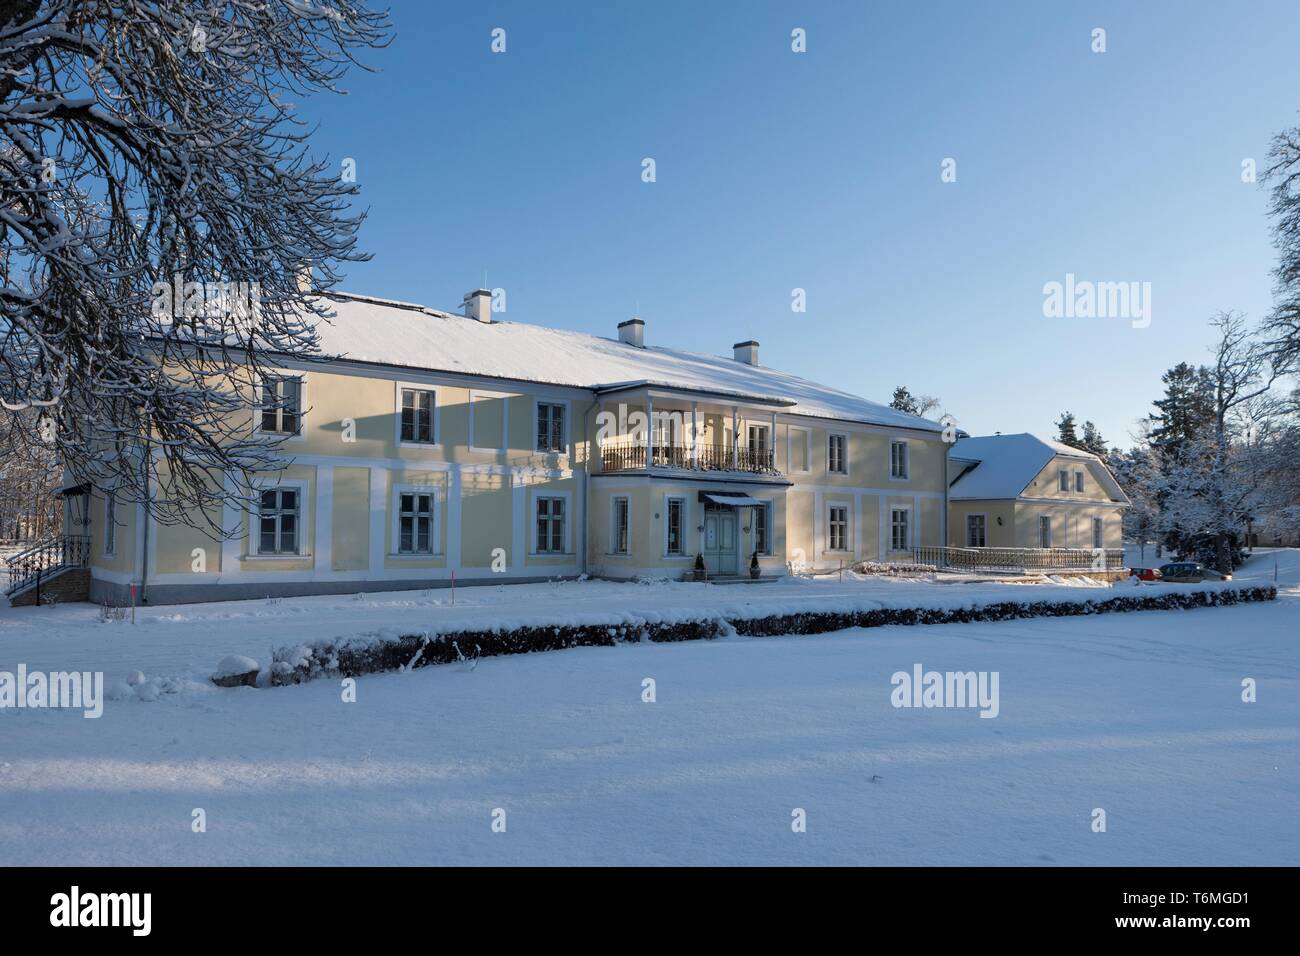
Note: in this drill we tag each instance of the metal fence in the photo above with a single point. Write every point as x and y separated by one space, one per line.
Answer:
1020 559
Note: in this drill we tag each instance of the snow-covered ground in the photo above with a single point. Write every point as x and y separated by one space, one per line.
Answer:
1138 714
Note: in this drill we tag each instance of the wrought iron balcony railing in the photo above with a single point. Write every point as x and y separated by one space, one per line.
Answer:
633 456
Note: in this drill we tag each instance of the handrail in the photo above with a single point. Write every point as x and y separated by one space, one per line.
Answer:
632 456
46 556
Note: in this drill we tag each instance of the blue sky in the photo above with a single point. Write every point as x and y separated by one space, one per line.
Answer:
821 171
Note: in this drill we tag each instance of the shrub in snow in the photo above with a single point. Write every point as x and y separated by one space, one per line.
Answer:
236 670
350 657
119 691
892 570
819 622
108 613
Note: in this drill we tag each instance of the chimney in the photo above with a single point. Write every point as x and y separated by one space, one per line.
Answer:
632 332
746 352
303 277
478 305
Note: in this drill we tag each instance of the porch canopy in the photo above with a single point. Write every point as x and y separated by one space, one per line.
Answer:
733 501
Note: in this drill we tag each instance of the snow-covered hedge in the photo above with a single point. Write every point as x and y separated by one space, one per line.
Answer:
390 651
819 622
371 653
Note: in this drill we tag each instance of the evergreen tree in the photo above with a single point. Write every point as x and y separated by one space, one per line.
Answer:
1065 432
903 401
1184 413
1093 442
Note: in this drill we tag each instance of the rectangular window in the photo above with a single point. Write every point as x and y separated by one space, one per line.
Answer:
550 427
974 531
762 543
758 444
618 530
1098 537
676 524
1078 481
417 415
836 462
1063 480
837 528
1045 530
110 523
415 523
899 536
281 405
278 521
550 525
898 463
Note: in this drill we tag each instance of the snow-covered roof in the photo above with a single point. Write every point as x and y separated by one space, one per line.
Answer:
1006 464
366 329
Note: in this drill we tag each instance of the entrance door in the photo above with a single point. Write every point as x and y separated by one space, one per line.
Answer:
720 545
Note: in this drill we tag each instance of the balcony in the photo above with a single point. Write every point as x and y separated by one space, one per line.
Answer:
632 456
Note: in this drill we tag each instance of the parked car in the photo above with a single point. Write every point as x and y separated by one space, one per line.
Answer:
1190 572
1145 574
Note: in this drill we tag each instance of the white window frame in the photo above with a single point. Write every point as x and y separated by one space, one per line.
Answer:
1044 540
255 551
567 497
686 523
984 529
567 443
1063 480
844 457
761 428
906 459
847 507
278 373
614 549
766 507
1098 533
398 388
395 524
906 510
474 395
110 523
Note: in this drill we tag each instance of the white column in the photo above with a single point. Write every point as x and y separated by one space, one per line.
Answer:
695 434
378 515
232 518
649 429
884 526
324 506
519 529
771 440
735 437
453 517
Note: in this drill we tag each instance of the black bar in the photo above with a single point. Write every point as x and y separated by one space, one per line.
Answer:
980 906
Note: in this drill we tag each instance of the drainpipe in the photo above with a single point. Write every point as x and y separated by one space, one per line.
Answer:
144 549
583 479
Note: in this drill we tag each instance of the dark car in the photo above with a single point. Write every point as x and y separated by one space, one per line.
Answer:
1190 572
1145 574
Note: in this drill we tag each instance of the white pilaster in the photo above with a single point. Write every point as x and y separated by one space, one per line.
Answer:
378 515
324 515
